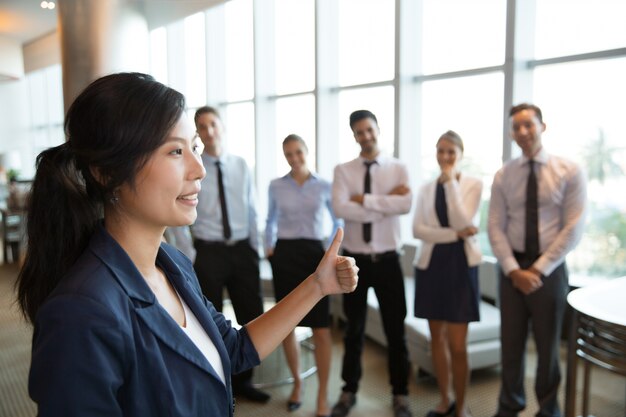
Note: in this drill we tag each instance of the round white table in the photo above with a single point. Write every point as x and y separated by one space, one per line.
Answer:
597 336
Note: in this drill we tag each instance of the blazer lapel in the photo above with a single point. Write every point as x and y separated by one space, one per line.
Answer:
194 301
146 306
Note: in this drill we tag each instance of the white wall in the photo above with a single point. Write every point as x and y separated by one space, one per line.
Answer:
15 133
42 52
11 62
14 121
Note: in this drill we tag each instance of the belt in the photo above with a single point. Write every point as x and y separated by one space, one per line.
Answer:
231 242
525 257
524 260
372 257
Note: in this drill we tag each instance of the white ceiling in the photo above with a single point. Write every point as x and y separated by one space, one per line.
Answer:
24 20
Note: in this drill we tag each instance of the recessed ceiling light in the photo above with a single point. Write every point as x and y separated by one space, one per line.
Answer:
47 5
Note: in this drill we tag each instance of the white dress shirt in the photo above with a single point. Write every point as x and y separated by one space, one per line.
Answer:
379 208
240 201
463 200
196 333
561 202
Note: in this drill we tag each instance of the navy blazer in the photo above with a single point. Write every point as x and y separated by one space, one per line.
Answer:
104 346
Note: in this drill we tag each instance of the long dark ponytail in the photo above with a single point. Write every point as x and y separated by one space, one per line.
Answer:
112 128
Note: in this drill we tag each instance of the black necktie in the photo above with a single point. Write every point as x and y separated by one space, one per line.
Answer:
532 214
367 188
222 195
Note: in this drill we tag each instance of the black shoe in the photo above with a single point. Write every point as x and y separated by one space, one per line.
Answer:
448 412
250 393
293 405
344 404
401 406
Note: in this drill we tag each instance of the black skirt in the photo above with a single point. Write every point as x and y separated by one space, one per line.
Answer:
448 289
292 262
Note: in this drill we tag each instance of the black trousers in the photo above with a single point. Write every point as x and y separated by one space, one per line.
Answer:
542 312
235 268
384 274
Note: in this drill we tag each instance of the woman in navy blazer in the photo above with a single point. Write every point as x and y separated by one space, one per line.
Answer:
121 326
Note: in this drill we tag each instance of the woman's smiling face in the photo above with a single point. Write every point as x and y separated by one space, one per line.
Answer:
166 188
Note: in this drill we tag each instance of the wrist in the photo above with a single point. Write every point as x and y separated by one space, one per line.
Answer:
316 285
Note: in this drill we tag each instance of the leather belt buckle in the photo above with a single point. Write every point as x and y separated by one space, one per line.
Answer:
375 257
231 242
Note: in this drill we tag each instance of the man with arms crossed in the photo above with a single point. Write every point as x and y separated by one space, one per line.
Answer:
225 235
536 216
371 206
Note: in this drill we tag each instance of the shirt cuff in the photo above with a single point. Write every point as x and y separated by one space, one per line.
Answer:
544 266
509 264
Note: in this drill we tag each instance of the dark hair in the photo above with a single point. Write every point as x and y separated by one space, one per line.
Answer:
526 106
205 109
295 138
112 129
452 137
360 115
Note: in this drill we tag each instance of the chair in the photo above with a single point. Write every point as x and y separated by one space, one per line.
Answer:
12 234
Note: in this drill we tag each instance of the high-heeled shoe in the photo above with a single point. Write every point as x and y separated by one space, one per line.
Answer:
448 412
293 405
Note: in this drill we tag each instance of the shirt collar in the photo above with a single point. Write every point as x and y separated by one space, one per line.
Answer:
541 157
212 159
313 177
376 160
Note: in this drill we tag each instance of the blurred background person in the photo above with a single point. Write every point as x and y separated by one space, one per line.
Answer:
225 235
293 244
446 270
536 217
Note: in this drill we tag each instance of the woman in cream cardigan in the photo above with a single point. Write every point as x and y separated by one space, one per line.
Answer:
446 270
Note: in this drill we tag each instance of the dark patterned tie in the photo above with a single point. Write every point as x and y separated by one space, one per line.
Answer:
532 214
367 188
222 195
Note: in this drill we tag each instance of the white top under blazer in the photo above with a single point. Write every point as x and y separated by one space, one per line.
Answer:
463 200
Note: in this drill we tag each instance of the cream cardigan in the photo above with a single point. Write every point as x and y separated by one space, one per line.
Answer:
463 200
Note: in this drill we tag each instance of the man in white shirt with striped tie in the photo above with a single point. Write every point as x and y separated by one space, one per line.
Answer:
370 193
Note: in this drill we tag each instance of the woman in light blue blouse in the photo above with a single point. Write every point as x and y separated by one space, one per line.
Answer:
293 244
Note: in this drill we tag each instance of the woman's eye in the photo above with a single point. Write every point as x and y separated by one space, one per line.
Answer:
178 151
198 147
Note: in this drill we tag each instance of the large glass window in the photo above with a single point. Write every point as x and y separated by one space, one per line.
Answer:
295 115
239 50
366 41
46 117
158 54
294 46
568 27
583 107
239 137
472 107
378 100
451 75
460 34
195 60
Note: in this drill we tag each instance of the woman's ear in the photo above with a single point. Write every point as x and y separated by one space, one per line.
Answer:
97 175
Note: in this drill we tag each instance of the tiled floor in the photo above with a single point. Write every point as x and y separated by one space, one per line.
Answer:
608 390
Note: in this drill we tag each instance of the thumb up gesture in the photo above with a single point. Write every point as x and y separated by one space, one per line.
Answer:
336 274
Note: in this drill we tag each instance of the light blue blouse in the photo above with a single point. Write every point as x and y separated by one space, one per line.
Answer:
297 211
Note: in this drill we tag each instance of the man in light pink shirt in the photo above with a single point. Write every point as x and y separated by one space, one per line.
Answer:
536 216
